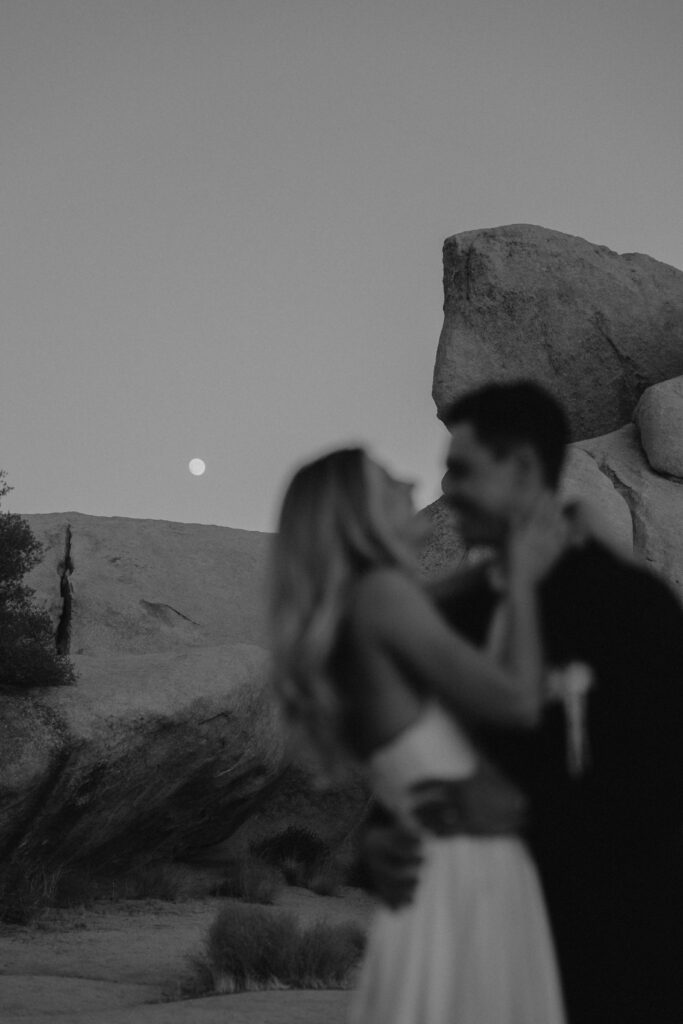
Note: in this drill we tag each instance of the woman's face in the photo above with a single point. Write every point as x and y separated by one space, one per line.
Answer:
397 507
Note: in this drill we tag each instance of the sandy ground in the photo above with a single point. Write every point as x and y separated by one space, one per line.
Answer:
113 963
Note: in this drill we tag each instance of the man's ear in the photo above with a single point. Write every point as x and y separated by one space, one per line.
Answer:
528 469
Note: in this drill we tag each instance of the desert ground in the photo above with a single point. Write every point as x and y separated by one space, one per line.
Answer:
120 962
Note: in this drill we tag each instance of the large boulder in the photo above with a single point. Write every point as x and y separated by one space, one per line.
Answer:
583 480
595 327
170 738
659 417
655 502
148 755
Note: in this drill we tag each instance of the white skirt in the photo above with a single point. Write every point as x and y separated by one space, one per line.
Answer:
474 946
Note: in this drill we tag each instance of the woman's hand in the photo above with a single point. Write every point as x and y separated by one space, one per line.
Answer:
537 543
391 857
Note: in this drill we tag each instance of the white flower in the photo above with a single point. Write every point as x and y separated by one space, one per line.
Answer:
571 685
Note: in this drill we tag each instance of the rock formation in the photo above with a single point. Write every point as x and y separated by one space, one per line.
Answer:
595 327
659 417
603 332
655 502
170 742
170 737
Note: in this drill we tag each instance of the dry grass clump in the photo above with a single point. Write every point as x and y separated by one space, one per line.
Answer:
294 842
26 891
250 879
161 881
250 948
303 858
29 891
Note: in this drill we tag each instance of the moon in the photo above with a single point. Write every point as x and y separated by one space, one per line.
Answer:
197 466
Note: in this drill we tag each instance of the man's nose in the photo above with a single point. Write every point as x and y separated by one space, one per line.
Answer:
448 485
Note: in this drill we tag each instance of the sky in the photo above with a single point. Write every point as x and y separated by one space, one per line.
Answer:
222 221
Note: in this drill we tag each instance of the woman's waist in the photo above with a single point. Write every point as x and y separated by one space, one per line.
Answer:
483 803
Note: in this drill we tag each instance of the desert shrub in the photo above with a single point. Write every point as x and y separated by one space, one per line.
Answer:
150 882
76 886
357 875
322 875
250 948
28 645
250 879
294 843
325 877
303 858
26 891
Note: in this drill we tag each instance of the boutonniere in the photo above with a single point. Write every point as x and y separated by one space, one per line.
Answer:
570 685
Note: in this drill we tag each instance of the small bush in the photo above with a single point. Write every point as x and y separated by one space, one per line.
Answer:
325 877
303 858
26 891
252 880
150 882
251 948
76 886
31 654
294 843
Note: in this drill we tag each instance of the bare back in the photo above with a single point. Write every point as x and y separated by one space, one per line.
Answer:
396 652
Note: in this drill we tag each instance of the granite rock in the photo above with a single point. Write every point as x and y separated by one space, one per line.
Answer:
595 327
655 502
659 417
170 738
583 480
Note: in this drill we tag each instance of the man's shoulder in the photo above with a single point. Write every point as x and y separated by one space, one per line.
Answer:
598 573
593 555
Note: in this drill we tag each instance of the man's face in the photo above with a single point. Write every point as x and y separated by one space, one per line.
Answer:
483 489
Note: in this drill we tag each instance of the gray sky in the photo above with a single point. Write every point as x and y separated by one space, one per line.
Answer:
222 221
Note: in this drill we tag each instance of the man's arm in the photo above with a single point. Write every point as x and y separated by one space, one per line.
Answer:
484 804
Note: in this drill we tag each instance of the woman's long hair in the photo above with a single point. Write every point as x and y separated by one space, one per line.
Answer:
331 530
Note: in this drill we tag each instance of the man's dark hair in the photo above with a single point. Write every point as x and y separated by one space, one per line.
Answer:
504 415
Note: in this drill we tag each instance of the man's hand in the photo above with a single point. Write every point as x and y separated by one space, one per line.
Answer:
391 854
484 804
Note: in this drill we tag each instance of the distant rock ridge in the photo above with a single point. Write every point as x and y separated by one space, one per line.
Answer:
171 737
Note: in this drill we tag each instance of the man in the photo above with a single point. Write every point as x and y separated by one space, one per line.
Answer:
603 772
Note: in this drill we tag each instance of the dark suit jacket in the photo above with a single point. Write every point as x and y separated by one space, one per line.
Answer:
608 842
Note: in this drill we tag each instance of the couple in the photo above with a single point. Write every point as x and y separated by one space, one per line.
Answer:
444 699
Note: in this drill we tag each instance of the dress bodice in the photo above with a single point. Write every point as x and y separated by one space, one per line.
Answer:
432 747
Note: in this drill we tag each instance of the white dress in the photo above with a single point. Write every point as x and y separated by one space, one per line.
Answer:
474 946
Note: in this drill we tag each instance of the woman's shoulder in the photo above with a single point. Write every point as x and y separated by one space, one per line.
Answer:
385 584
383 579
381 599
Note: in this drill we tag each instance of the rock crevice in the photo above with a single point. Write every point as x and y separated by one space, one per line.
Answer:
629 494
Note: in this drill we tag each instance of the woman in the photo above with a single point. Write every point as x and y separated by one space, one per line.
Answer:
368 671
